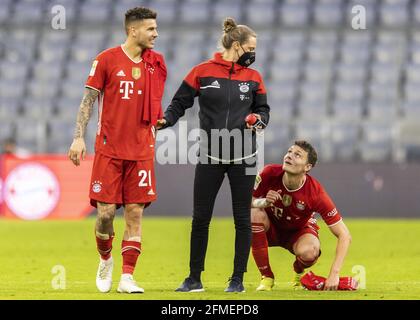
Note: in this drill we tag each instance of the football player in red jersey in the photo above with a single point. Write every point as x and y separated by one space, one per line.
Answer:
128 82
284 202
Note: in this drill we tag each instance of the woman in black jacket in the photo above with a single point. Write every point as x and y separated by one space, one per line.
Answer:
228 91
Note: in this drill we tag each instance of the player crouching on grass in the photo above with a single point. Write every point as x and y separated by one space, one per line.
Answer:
284 203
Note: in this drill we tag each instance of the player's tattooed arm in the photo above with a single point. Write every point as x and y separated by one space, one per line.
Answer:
85 112
77 149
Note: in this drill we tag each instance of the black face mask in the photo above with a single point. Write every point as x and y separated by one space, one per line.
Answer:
246 59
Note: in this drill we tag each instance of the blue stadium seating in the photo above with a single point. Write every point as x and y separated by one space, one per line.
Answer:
338 87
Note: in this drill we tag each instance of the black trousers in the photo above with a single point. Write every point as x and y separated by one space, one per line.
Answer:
207 182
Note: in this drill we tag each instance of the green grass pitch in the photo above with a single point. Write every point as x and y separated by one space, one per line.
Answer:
389 250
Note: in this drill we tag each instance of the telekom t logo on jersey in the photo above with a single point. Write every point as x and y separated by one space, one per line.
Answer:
126 88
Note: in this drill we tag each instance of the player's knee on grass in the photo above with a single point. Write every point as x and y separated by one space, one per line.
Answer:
308 255
260 216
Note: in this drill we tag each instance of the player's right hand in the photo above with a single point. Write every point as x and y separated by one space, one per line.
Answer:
77 151
272 196
161 123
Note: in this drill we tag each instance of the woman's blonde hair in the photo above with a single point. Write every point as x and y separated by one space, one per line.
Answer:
233 32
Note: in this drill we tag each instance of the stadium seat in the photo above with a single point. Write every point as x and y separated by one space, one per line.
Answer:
30 134
37 108
294 13
10 108
350 110
318 134
285 72
260 14
42 89
344 140
411 109
394 14
382 109
408 140
95 11
351 72
26 12
328 13
200 9
5 11
11 90
276 141
67 108
167 11
60 133
7 129
14 71
377 141
221 7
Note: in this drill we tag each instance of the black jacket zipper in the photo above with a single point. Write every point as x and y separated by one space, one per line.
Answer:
230 76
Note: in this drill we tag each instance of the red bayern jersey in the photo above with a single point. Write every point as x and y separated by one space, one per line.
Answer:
121 82
297 207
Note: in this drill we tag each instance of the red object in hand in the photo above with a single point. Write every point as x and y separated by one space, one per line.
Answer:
313 282
251 119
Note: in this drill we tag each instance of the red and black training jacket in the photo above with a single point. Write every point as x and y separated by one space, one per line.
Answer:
227 93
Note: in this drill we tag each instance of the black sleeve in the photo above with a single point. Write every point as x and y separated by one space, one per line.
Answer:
182 100
261 107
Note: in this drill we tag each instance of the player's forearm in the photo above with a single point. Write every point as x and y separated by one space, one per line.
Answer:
85 112
343 245
259 203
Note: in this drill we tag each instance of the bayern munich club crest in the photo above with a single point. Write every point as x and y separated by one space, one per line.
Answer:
244 87
96 186
31 191
300 205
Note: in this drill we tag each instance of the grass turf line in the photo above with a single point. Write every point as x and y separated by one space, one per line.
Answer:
388 250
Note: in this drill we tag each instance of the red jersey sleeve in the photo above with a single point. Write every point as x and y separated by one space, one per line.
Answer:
192 79
262 183
327 209
97 74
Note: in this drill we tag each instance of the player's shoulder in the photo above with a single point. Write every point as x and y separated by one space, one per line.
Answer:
313 184
109 53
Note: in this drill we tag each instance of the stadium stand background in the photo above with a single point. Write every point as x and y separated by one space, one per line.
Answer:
354 94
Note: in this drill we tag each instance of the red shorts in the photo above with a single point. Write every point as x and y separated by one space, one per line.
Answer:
122 181
286 239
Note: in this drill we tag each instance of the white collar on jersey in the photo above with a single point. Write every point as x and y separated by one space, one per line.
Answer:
122 48
282 181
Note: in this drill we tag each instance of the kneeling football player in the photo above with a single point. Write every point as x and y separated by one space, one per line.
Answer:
284 203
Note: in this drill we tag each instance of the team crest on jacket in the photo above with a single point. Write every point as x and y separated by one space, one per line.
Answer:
287 200
300 205
244 87
136 73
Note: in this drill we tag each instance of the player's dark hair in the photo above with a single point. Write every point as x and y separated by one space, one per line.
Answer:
138 13
233 32
312 155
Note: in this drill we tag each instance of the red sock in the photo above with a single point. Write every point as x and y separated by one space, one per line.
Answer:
260 249
130 251
104 247
300 265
